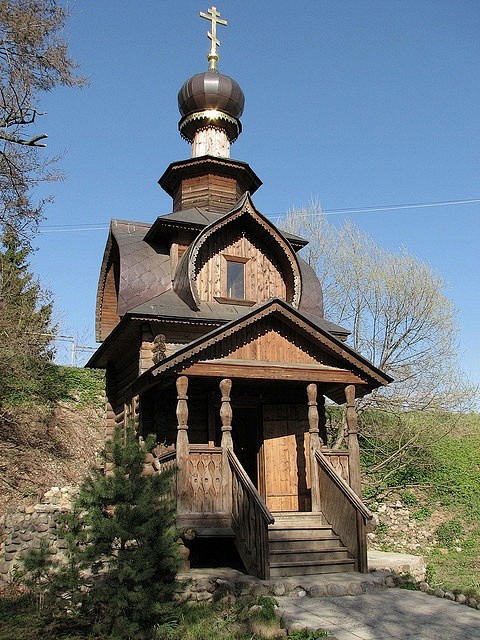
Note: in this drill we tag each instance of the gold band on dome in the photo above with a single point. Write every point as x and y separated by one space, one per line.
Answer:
209 117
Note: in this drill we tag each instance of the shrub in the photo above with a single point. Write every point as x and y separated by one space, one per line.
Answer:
122 551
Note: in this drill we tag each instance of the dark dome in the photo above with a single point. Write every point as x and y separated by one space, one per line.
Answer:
206 92
211 90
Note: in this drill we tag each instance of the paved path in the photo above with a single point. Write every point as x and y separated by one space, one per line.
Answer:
383 615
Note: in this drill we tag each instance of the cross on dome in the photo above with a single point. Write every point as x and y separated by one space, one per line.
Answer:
214 16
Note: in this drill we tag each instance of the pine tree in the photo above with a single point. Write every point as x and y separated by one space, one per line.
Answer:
26 329
122 533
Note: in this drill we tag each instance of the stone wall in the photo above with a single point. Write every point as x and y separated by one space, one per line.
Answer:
397 528
23 529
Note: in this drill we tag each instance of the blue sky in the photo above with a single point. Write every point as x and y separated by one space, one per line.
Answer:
356 103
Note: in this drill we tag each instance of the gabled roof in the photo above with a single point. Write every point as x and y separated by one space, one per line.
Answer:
245 215
201 349
196 219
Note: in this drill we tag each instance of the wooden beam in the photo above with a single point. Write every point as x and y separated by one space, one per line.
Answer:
315 443
227 442
270 371
182 448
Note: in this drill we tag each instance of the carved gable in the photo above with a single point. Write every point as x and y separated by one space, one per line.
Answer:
257 276
271 346
240 257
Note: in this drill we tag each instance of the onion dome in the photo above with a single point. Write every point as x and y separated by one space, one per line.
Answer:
210 99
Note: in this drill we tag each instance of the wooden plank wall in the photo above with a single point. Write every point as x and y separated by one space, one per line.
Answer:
109 317
271 347
214 193
263 279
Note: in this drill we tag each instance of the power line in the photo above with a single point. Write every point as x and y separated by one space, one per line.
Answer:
103 226
396 207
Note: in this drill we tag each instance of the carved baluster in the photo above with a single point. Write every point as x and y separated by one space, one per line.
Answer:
355 475
182 450
353 447
315 443
226 414
227 443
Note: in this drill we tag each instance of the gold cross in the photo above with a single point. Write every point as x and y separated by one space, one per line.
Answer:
214 16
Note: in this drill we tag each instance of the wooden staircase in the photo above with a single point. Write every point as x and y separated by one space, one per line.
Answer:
305 544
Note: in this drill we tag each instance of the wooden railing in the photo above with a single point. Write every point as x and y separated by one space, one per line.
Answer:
204 477
250 520
339 459
168 462
344 511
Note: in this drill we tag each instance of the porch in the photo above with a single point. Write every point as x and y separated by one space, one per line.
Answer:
268 483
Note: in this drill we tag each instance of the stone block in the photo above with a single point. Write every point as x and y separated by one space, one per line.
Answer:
334 589
260 590
318 590
279 589
355 589
26 536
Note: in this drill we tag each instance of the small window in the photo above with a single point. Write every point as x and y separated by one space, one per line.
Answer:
235 280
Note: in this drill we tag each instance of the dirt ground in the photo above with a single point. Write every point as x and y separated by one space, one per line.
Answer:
45 450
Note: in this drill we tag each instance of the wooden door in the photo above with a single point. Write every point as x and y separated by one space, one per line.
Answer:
286 457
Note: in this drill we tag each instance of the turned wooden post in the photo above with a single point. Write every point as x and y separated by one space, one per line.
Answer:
315 443
355 475
353 447
227 443
183 447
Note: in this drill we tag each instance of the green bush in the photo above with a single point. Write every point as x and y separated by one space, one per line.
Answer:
122 547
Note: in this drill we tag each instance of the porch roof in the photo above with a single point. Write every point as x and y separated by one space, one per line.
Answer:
344 366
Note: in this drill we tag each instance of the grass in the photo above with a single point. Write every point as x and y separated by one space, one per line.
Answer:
455 564
450 494
245 619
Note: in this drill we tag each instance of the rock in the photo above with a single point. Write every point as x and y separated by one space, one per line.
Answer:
223 590
318 590
301 593
355 589
424 587
334 589
449 596
461 598
279 589
472 602
440 593
260 590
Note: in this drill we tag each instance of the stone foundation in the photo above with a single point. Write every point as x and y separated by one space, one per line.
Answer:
24 528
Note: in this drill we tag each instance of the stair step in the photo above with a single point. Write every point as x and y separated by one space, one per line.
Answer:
304 518
278 569
300 543
317 533
307 556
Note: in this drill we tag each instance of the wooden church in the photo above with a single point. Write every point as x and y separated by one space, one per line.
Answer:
213 338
